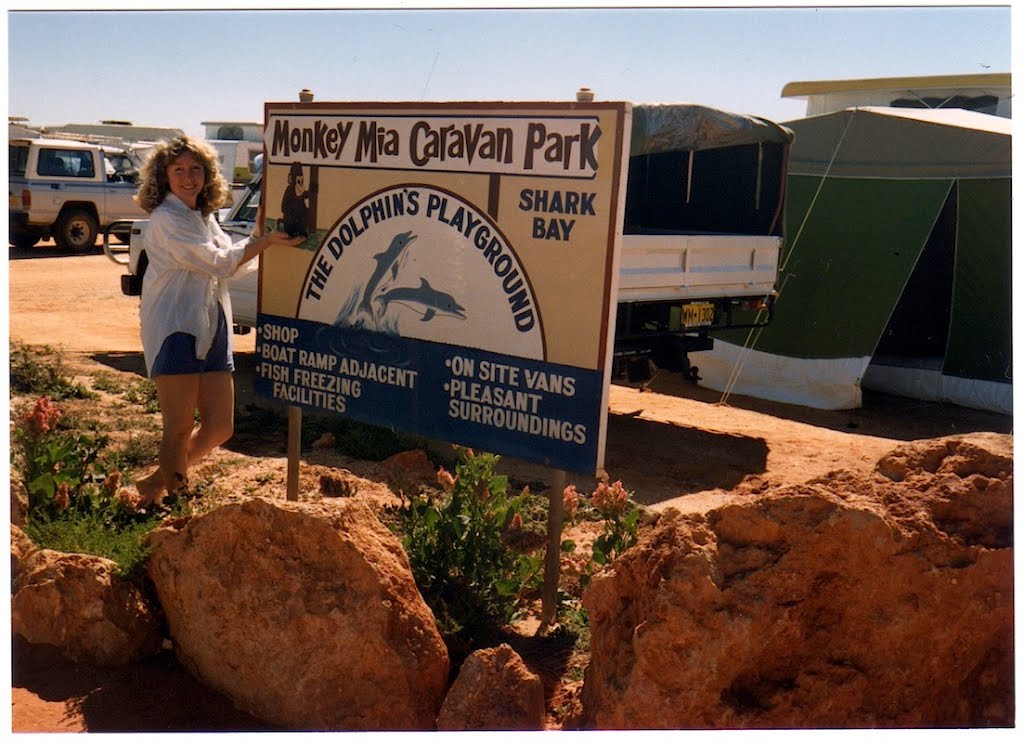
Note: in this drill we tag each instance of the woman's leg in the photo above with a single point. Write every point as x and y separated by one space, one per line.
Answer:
216 403
178 395
184 443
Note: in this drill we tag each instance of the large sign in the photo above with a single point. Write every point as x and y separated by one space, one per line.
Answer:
459 272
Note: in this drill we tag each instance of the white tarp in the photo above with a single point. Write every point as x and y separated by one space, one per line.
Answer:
828 384
932 384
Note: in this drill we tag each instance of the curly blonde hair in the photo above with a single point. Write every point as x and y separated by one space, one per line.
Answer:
154 185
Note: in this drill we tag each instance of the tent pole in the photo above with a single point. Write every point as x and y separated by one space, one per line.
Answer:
689 175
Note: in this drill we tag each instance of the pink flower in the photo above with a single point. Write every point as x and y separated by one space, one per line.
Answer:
43 417
610 499
446 480
517 523
111 484
63 496
570 501
127 499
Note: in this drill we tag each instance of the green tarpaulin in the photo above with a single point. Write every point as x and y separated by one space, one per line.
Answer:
896 271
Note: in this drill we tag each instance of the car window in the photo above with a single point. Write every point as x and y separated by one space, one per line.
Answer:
60 163
17 158
120 168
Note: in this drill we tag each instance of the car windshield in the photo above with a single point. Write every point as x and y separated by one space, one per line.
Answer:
245 210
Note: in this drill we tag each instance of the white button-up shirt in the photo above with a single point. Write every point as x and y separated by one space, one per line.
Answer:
190 260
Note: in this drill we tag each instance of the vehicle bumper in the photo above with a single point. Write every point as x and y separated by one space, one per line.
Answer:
18 221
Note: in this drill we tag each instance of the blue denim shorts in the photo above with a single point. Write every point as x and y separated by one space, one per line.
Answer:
178 353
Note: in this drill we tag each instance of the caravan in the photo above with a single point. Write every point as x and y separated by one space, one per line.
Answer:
238 144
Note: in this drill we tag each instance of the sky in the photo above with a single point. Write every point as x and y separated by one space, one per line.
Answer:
175 67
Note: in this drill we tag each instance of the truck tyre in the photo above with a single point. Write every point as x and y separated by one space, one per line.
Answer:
24 240
76 230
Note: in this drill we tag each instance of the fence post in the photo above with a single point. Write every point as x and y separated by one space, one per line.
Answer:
552 564
294 449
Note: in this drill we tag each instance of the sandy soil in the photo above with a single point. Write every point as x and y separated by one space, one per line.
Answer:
673 444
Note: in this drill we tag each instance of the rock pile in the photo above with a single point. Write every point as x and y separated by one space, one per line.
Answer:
878 600
79 604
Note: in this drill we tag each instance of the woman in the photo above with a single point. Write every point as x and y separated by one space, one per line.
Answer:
185 312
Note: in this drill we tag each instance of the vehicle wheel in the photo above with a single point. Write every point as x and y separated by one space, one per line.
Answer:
76 230
24 240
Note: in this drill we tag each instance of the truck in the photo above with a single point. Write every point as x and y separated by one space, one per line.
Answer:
70 189
701 242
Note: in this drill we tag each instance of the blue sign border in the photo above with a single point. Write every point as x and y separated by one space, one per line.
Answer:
532 410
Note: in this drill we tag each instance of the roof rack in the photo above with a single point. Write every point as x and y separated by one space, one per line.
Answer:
89 138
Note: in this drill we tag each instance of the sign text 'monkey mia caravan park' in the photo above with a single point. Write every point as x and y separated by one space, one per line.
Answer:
459 274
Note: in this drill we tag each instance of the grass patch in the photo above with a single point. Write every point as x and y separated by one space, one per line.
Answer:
91 534
143 393
351 438
138 451
356 439
259 422
575 621
40 370
107 383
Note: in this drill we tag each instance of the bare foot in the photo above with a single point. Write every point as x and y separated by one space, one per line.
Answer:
150 488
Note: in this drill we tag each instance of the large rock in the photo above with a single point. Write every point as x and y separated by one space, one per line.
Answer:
19 501
21 549
494 691
306 615
409 471
858 600
78 604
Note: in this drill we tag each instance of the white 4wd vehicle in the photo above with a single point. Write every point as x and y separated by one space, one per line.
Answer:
69 190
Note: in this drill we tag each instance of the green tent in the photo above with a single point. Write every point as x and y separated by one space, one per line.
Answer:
896 273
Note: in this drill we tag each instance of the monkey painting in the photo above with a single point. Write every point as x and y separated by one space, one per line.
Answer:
295 203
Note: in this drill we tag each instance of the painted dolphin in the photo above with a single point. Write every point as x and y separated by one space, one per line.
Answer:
423 298
386 261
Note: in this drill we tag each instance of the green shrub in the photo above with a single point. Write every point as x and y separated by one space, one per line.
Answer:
457 545
32 373
56 464
614 507
75 501
93 534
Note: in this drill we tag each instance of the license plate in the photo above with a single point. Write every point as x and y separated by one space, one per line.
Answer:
698 314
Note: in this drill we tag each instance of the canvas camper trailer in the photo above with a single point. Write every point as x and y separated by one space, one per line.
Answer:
896 273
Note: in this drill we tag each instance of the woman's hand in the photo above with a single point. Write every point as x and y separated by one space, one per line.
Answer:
277 237
257 245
